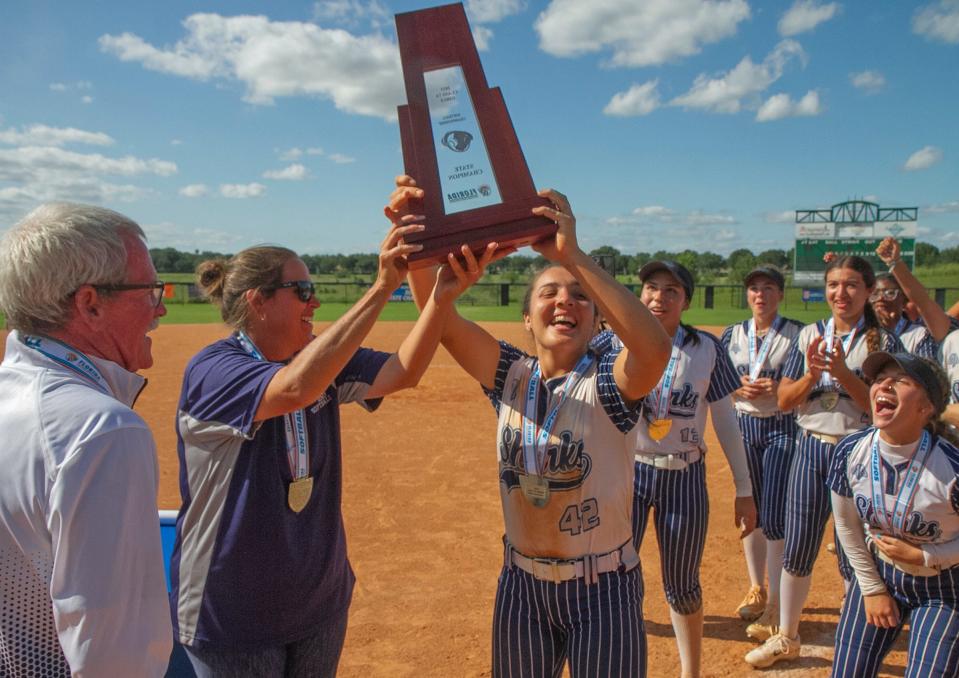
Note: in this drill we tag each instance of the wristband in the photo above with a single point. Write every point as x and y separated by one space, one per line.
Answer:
894 264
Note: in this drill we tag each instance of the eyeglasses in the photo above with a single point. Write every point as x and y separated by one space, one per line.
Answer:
155 287
887 294
305 289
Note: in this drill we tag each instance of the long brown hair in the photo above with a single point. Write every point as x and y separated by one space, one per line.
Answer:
873 331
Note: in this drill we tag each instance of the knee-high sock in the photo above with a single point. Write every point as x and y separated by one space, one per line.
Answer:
774 566
755 547
689 638
792 597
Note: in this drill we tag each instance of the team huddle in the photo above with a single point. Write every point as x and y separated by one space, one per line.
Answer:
599 432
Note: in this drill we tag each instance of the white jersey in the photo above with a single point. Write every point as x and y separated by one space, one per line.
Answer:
932 517
587 465
704 374
949 352
736 340
81 566
832 415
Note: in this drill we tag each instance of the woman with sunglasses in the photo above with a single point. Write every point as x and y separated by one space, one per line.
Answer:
758 348
895 498
893 290
821 381
261 584
570 589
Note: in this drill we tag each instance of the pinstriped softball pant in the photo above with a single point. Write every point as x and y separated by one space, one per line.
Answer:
808 506
929 604
770 446
680 516
539 625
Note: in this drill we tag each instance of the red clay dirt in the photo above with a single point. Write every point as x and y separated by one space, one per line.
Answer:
423 522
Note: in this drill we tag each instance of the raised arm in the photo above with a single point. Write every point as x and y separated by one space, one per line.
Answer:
313 369
937 320
647 346
475 349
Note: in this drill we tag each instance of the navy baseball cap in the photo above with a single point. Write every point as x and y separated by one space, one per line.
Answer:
767 271
678 271
924 372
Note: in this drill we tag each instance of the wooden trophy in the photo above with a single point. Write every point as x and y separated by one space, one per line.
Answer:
459 143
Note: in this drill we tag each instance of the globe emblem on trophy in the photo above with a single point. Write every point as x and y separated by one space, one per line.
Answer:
457 140
485 189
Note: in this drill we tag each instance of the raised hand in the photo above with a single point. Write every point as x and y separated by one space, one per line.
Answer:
889 250
455 276
562 246
393 265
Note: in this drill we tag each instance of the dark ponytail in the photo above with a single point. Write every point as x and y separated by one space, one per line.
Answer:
871 327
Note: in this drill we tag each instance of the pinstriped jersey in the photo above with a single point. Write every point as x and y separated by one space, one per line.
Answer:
587 464
917 339
736 340
934 513
950 361
704 374
846 417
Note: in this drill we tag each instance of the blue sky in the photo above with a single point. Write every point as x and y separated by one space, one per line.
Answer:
669 123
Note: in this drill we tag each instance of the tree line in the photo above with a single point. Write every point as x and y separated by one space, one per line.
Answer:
706 266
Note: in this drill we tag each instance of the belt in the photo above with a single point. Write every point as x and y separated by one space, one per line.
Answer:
908 568
824 437
670 462
588 567
764 415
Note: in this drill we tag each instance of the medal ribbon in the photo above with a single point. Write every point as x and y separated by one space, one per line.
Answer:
901 326
829 339
297 447
665 387
906 492
68 357
756 366
534 442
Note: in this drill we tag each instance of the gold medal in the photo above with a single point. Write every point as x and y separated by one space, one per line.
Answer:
659 428
535 489
829 400
298 495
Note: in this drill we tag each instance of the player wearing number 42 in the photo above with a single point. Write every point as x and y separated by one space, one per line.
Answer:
564 466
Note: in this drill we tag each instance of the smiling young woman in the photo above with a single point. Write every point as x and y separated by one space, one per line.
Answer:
895 497
563 416
821 381
758 348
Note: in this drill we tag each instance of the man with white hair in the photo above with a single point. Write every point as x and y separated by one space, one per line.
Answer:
82 588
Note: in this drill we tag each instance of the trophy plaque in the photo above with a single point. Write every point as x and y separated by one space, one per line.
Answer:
459 143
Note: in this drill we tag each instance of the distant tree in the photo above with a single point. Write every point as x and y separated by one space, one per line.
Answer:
740 262
949 256
926 254
777 258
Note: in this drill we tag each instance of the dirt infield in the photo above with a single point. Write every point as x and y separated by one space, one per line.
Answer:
423 520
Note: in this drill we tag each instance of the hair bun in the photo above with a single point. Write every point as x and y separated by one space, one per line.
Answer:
210 276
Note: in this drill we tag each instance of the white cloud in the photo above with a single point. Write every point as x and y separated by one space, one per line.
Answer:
291 154
167 234
86 99
241 191
491 11
482 36
70 86
352 13
341 159
176 142
924 158
938 21
359 74
785 217
805 15
638 33
870 82
657 214
726 93
42 135
781 106
315 150
943 208
637 100
195 191
19 162
294 172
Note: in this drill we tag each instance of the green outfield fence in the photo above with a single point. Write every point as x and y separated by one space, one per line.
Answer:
507 294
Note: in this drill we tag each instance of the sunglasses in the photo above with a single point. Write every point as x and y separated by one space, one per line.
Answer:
888 295
156 289
305 289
